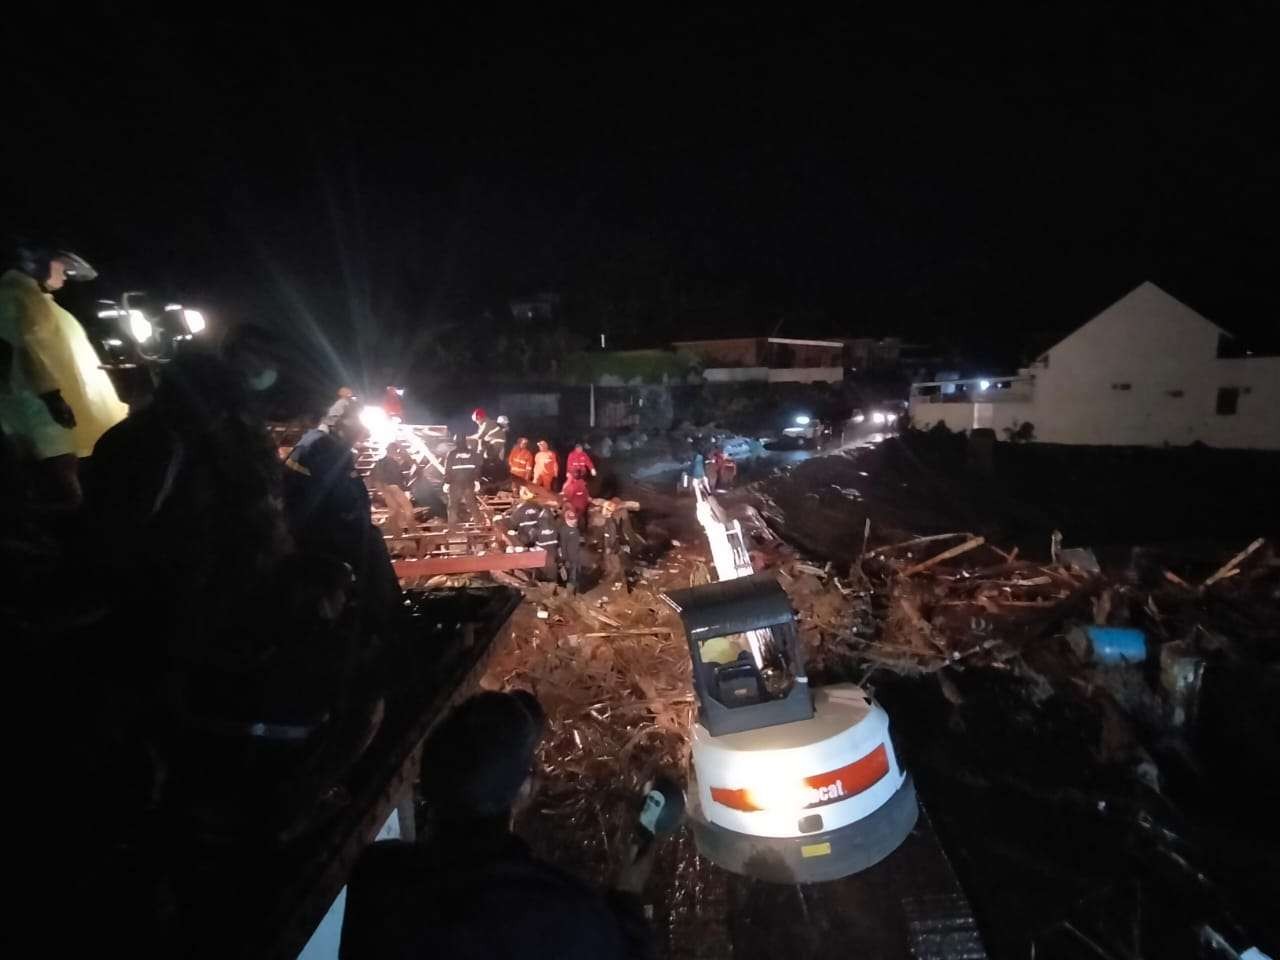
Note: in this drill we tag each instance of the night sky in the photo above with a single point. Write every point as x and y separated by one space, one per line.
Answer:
359 179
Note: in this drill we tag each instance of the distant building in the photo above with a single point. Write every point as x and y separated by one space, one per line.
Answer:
1147 371
540 306
771 359
872 354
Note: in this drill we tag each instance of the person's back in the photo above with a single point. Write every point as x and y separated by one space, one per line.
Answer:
575 493
472 889
326 501
184 497
328 509
465 896
461 468
461 476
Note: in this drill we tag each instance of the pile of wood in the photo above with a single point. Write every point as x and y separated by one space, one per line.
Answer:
920 605
612 671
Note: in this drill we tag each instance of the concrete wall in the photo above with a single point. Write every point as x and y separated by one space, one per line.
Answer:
729 352
735 374
998 416
805 375
1145 372
782 353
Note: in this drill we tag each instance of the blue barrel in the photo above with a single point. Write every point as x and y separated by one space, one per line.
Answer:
1114 644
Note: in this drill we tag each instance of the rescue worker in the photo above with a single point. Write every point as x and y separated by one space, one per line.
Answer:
496 440
571 550
520 463
546 537
461 481
698 471
546 465
55 400
391 479
722 471
470 887
523 520
575 494
392 403
328 508
617 546
479 441
579 462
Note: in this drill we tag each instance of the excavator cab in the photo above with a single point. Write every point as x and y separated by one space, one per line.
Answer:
748 666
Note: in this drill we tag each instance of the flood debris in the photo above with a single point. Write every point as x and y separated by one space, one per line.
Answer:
953 611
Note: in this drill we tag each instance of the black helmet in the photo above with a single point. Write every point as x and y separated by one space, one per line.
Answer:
33 258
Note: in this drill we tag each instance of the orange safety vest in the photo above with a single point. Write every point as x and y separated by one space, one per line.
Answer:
521 463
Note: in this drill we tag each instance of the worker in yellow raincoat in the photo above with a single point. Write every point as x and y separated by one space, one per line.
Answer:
55 400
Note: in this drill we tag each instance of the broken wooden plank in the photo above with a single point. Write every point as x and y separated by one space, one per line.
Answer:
971 544
1229 568
918 540
467 563
810 569
662 631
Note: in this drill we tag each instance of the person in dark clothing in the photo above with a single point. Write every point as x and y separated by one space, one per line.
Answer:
238 672
329 513
571 550
546 537
523 520
391 480
472 889
184 501
617 546
461 480
183 521
327 502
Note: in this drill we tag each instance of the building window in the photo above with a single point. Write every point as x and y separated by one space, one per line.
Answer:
1228 400
1176 394
1122 386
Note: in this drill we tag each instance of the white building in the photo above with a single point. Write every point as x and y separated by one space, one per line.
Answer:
1147 371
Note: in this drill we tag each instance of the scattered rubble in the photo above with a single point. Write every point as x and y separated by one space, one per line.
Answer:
950 609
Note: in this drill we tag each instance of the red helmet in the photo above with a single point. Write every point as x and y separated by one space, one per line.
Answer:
479 414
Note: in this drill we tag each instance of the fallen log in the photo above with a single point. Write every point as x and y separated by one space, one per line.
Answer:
915 541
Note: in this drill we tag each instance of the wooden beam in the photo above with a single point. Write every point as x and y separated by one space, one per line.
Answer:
945 555
468 563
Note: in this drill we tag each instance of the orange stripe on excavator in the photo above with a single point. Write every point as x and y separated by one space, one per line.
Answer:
735 799
852 778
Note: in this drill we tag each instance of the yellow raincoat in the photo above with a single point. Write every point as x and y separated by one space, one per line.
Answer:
49 350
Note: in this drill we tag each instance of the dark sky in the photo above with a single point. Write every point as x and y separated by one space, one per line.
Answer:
371 174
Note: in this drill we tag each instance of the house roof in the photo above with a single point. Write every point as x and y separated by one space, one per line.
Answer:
1256 346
